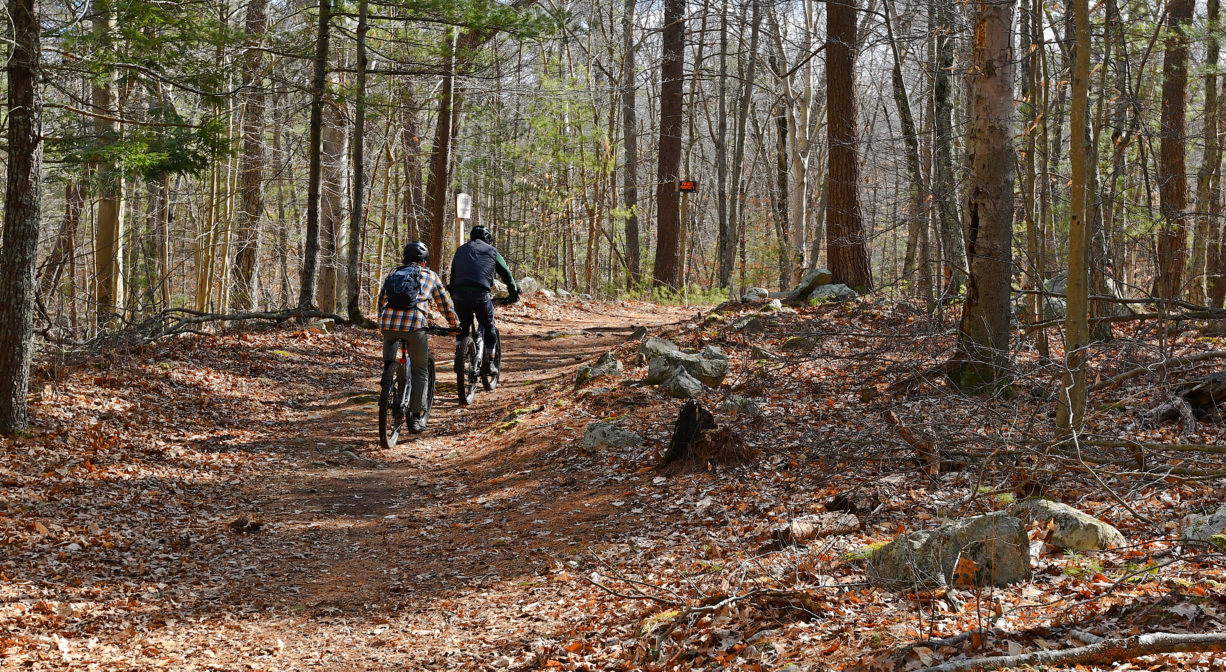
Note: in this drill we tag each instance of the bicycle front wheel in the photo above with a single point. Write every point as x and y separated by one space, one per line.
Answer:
466 368
391 404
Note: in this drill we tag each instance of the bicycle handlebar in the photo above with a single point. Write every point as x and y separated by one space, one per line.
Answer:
442 331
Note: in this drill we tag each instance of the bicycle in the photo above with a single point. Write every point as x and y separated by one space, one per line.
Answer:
469 350
395 391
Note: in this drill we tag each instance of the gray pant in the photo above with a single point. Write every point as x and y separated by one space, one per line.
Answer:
418 347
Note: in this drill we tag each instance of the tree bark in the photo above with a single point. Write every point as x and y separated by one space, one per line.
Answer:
630 189
846 246
438 183
949 225
331 207
747 74
1172 171
357 211
1071 404
1202 263
983 338
310 247
910 142
23 189
725 250
667 269
108 244
251 172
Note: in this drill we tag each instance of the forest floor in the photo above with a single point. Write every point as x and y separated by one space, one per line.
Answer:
221 502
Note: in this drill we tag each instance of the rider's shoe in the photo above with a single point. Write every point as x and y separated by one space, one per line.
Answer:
417 424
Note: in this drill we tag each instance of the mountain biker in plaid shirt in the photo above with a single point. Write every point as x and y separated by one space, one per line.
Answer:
410 326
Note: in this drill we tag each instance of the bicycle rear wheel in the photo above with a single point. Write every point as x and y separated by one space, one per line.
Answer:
467 370
428 404
391 404
492 371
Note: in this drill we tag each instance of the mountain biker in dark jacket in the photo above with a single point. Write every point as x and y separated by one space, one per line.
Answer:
472 278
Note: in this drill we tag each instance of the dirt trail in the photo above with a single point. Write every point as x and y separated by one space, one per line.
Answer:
429 555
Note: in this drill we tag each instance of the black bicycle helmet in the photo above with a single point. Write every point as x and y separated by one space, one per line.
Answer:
479 232
415 251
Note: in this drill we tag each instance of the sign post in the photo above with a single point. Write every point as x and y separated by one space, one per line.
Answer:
686 187
463 211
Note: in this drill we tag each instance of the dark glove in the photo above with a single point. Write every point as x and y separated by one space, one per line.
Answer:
513 297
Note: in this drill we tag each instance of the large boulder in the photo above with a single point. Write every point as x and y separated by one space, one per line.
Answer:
1070 529
996 543
563 294
708 368
772 306
837 292
811 280
529 285
607 364
655 346
755 294
1209 528
609 435
683 386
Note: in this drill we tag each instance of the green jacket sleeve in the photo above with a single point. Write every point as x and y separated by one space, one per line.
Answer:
504 272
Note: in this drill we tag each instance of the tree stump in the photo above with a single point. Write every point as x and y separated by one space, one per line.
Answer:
698 441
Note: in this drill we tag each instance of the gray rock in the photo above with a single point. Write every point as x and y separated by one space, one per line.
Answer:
811 280
529 286
639 334
1071 529
996 542
659 370
585 297
758 353
563 294
1206 528
839 292
772 306
609 435
500 290
749 323
655 346
607 364
683 386
548 294
326 325
800 343
713 352
746 406
710 370
592 392
755 294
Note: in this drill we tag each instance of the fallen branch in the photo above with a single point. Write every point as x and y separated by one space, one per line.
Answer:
1141 370
1105 651
925 446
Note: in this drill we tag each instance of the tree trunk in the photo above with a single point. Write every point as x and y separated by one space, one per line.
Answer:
331 207
357 211
911 143
846 246
666 272
724 240
310 247
439 181
949 224
23 189
1071 405
251 179
746 73
108 244
1200 266
983 338
1172 172
630 189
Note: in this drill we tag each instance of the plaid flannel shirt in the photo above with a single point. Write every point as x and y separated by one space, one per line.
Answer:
417 318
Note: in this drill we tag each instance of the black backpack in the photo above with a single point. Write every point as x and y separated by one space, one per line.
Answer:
403 287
